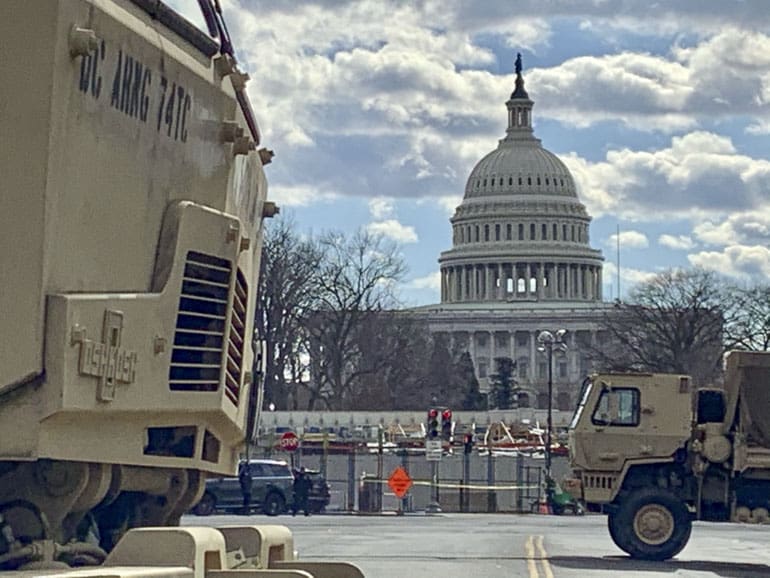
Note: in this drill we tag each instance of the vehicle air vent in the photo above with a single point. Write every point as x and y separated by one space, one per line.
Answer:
196 359
236 339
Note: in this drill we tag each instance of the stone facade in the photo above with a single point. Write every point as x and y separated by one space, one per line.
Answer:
521 263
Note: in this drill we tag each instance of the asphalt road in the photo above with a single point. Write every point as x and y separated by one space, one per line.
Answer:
504 545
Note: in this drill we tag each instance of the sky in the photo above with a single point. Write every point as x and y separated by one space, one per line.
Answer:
378 110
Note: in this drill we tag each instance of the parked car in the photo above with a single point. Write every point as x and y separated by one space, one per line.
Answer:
320 491
271 490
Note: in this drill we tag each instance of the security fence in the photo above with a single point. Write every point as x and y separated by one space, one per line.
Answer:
475 482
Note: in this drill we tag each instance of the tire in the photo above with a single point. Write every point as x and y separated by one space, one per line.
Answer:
651 524
274 505
206 506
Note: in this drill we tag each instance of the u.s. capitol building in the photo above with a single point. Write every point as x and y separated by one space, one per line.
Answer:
521 262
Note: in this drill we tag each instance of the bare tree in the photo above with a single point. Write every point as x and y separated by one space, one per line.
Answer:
672 323
356 280
287 293
394 346
749 325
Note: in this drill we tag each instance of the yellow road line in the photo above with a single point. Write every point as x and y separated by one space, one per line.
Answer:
543 557
531 564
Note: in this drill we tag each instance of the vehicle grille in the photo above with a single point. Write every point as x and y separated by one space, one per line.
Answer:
196 359
603 482
236 339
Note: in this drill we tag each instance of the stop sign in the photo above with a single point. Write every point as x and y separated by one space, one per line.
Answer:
289 441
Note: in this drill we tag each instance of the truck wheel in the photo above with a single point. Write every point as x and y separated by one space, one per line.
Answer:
274 504
651 524
206 506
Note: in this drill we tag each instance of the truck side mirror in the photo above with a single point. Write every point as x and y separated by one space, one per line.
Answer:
710 406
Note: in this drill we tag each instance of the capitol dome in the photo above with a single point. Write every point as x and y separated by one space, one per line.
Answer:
521 233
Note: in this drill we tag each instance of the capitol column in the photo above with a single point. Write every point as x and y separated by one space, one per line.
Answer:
462 291
599 283
532 356
528 280
580 279
541 281
551 283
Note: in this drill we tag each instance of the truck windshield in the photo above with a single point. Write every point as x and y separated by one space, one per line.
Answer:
586 390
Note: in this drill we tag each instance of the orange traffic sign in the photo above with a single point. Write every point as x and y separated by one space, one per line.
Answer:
400 482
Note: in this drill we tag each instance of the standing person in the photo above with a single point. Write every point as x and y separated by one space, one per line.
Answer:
244 477
302 483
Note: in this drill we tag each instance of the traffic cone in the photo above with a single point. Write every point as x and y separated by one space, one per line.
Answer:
542 507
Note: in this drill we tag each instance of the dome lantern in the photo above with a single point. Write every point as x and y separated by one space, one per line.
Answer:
519 108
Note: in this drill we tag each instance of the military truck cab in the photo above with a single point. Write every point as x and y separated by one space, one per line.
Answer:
655 453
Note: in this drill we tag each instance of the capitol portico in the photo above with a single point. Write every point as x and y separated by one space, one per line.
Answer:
521 262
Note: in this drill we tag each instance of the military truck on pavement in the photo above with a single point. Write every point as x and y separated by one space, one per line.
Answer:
656 453
132 201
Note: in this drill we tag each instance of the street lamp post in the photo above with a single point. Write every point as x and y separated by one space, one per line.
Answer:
548 341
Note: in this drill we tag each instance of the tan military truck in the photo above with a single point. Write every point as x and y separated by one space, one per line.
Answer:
657 453
132 196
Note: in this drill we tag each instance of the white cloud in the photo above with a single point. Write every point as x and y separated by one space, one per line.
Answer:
432 281
300 195
746 228
761 127
629 276
392 229
699 174
628 240
676 241
447 203
747 262
381 207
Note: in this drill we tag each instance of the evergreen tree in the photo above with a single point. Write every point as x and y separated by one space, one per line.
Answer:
440 378
472 399
503 383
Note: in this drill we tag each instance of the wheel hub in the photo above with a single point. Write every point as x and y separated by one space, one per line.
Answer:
654 524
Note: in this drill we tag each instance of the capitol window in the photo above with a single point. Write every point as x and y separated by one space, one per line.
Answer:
497 232
532 231
508 232
521 232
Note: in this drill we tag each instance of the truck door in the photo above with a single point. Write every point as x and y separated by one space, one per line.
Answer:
612 431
